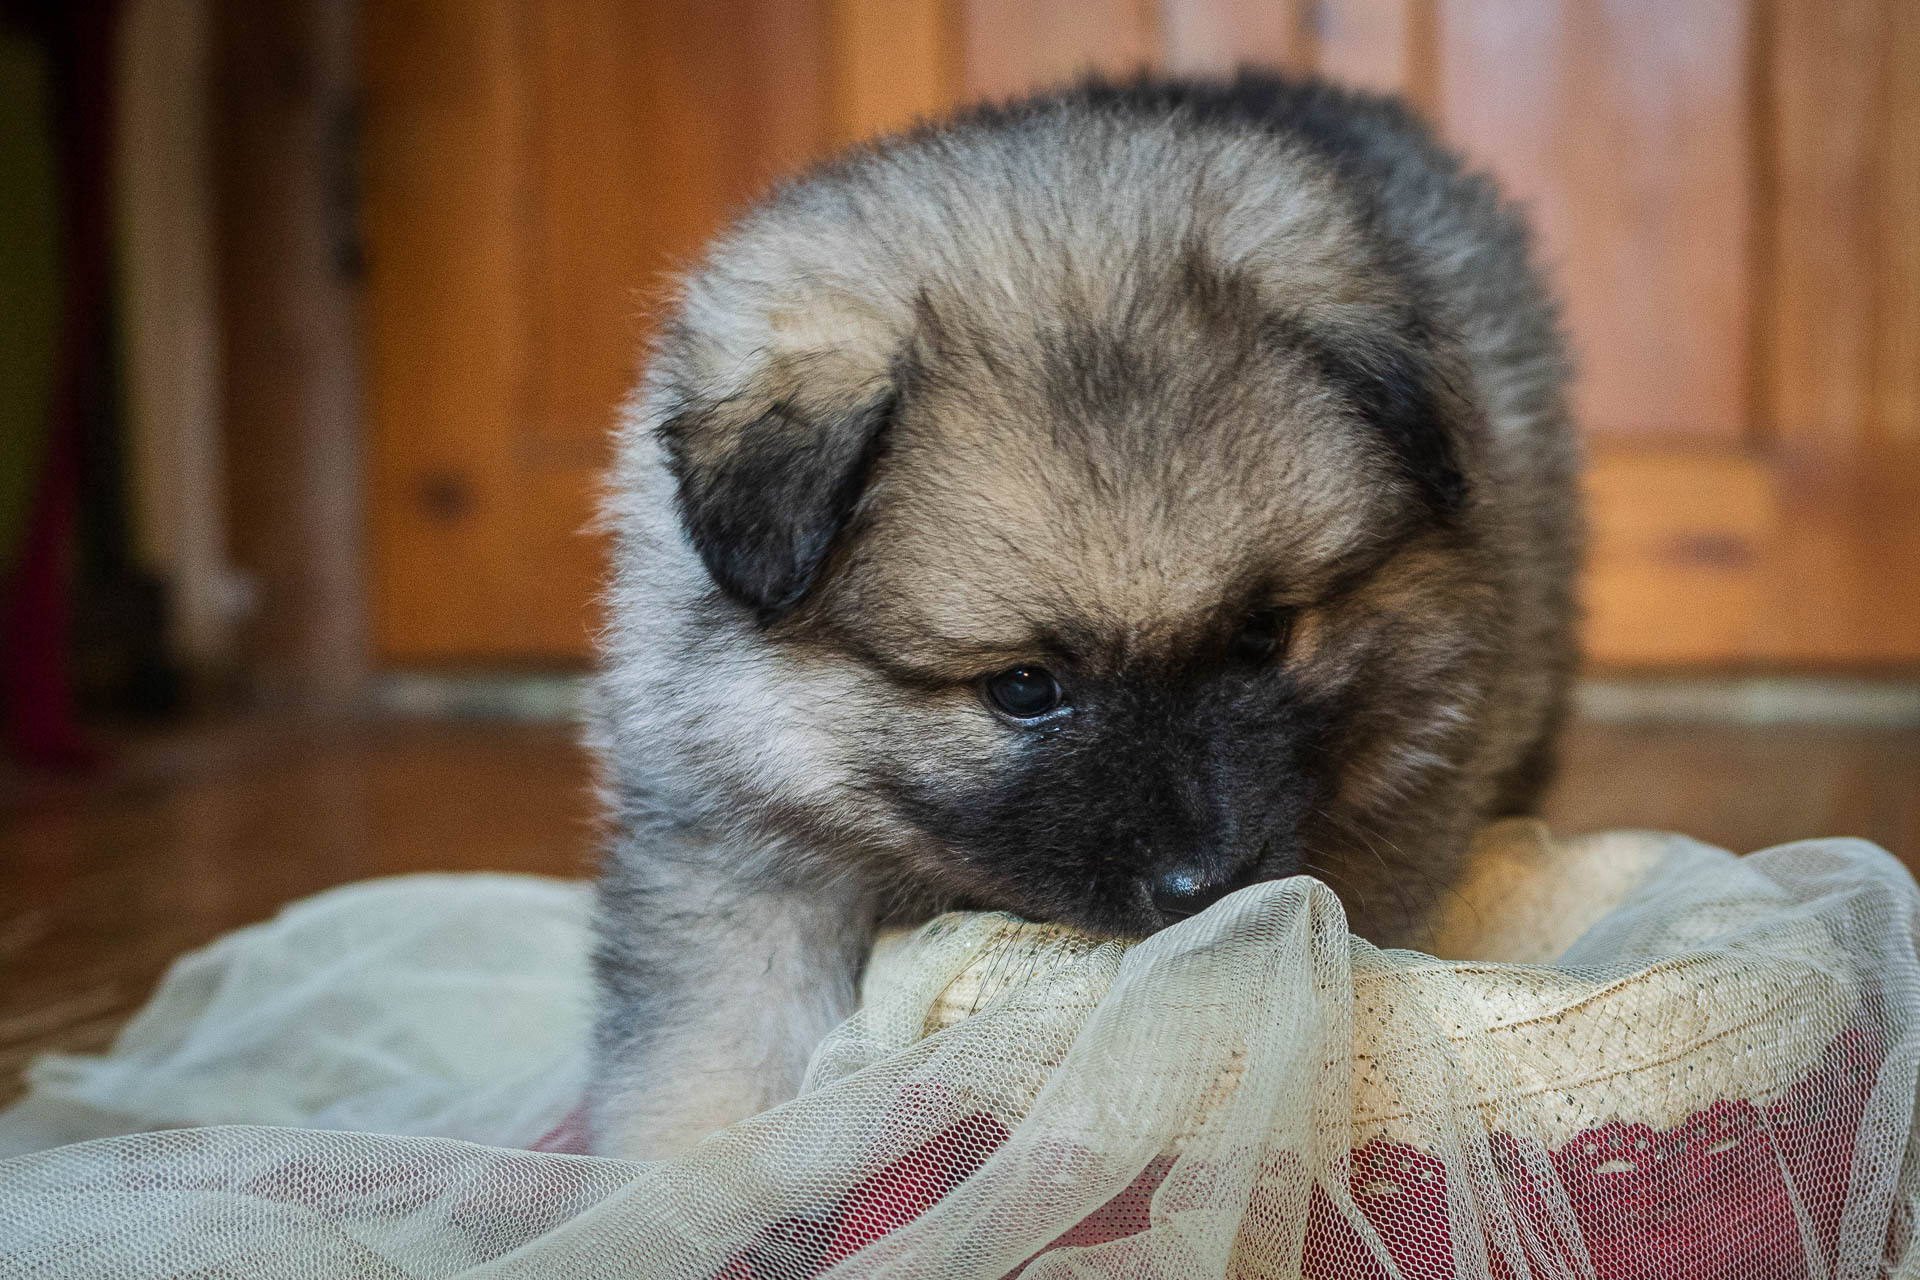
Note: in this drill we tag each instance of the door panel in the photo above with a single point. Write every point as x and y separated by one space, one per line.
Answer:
440 166
1622 126
535 172
1728 192
1008 46
1842 145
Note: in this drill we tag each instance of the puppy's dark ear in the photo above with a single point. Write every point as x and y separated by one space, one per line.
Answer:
1396 382
763 497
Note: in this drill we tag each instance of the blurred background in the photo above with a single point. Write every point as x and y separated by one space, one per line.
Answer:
314 316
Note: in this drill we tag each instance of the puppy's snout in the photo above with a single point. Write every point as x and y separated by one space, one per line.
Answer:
1188 890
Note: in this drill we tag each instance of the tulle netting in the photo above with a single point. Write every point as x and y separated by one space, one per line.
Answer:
1626 1055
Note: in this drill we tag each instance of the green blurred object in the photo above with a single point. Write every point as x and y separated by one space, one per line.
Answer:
29 279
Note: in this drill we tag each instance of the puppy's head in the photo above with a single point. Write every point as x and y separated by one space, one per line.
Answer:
1088 560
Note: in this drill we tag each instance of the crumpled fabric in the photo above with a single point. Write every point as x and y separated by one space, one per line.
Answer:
1629 1055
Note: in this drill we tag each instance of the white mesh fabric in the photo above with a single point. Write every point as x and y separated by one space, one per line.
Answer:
1639 1057
431 1004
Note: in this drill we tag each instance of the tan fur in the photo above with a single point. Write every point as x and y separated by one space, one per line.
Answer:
1084 386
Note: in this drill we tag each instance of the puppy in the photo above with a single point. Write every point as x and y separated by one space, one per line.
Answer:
1083 508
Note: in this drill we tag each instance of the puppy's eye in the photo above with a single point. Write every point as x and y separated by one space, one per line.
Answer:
1025 693
1263 635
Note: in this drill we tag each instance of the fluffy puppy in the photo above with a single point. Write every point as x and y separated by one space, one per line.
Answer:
1083 508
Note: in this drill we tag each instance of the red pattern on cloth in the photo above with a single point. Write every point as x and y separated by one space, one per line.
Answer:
1729 1194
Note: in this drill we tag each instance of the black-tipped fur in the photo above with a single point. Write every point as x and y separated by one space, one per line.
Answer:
764 513
1237 407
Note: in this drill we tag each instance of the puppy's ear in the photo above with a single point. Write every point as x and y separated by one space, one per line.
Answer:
1398 382
763 495
1398 386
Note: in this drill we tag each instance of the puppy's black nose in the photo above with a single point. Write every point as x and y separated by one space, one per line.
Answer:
1187 891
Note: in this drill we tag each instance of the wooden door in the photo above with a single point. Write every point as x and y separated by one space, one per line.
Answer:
533 171
1727 190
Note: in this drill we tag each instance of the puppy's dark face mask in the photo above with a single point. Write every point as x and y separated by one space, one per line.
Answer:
1122 578
1146 795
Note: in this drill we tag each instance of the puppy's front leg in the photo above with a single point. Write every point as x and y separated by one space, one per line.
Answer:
713 997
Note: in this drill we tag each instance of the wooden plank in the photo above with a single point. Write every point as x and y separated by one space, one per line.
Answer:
631 175
1895 412
786 57
1842 328
1623 125
1214 37
1848 557
1825 80
529 197
627 176
1012 47
1840 333
443 168
894 62
566 562
1796 558
1384 45
629 179
1677 567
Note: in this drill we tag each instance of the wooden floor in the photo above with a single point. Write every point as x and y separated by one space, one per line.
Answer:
102 882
